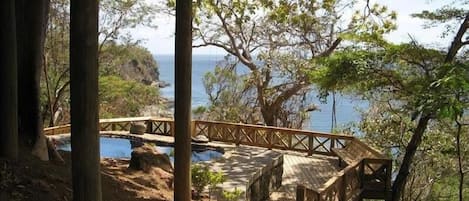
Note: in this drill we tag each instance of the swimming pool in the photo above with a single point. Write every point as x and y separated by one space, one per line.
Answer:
111 147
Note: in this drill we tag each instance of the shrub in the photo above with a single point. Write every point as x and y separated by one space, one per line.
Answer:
203 177
232 195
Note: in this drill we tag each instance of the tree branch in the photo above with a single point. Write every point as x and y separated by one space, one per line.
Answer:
331 48
457 41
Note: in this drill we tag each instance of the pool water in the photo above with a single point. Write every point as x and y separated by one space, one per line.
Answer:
122 148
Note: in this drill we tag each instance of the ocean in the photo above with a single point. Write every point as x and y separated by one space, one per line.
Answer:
347 107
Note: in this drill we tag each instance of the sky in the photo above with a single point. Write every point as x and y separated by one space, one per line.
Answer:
161 40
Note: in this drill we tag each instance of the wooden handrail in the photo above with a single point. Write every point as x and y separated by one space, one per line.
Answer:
306 132
270 137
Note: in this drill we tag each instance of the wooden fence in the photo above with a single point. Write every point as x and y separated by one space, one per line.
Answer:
369 176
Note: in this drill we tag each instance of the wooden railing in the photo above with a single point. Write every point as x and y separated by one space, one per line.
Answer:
271 137
369 176
359 180
261 136
366 178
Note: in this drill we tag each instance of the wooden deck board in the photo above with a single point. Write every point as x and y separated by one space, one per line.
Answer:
311 171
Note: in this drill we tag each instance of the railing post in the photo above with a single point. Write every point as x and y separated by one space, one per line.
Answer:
310 145
193 129
171 128
149 126
362 172
343 188
388 174
269 138
300 193
237 135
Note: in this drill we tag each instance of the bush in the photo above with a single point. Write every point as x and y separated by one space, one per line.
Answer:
232 195
203 177
119 97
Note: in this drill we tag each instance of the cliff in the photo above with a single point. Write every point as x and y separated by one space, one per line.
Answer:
130 62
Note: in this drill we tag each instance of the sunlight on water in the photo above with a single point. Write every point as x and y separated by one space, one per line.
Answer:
122 148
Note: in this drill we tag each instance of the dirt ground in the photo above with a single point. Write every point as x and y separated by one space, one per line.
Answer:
33 180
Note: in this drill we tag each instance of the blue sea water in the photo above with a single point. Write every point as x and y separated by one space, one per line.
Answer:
346 107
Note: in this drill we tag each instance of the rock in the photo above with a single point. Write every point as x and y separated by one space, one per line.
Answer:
138 128
163 84
146 157
200 139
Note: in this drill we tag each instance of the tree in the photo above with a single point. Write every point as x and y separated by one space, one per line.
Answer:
86 174
118 16
120 98
8 84
409 77
115 46
390 128
31 25
273 40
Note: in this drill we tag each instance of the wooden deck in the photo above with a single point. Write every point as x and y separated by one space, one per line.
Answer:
298 168
311 171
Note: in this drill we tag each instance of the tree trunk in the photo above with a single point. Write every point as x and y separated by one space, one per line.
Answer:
411 148
86 172
182 109
31 25
8 83
460 160
268 114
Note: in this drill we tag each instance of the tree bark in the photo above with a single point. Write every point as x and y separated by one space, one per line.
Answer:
411 148
84 100
182 109
31 26
8 82
460 160
457 42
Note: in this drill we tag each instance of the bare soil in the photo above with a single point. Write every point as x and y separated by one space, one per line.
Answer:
31 179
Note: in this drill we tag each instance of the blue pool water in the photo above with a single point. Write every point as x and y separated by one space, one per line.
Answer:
122 148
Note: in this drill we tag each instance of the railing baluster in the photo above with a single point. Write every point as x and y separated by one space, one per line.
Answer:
343 187
300 193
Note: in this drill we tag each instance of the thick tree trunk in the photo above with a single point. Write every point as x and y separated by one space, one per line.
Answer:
86 172
411 148
182 109
31 25
8 83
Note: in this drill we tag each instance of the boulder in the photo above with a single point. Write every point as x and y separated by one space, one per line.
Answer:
200 139
138 128
147 157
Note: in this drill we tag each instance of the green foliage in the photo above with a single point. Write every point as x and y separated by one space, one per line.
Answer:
224 87
120 97
200 177
118 16
128 61
216 178
447 188
284 36
203 177
232 195
449 16
403 83
119 56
